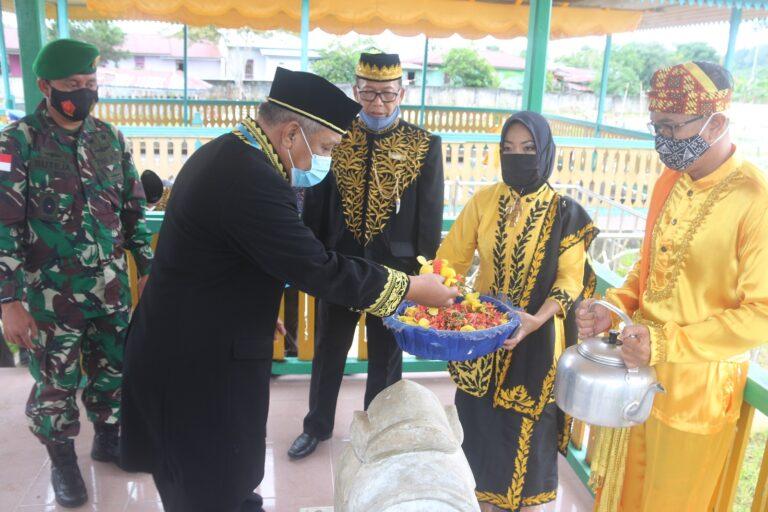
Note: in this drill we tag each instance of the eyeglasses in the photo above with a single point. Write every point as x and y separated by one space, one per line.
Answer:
386 96
669 130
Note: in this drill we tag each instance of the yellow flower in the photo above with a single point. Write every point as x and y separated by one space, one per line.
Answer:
474 296
433 311
467 328
449 282
424 323
427 269
407 320
422 260
411 311
447 272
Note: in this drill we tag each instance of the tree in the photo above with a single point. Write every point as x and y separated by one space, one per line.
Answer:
105 35
337 63
698 51
586 57
466 68
208 33
630 69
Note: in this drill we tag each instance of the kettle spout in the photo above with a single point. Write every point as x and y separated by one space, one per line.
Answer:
633 411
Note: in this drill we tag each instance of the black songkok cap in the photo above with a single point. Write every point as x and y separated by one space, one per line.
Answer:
379 67
313 97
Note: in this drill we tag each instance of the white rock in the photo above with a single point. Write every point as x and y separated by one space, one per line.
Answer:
405 456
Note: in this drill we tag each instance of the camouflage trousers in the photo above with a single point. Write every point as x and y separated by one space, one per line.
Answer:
59 357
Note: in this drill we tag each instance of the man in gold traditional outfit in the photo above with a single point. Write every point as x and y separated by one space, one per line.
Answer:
699 297
383 201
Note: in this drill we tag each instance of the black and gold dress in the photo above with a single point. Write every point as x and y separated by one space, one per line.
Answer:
532 248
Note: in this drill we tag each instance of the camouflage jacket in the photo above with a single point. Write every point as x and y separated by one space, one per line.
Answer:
70 205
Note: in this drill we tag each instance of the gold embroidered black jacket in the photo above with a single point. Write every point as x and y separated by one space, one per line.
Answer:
384 197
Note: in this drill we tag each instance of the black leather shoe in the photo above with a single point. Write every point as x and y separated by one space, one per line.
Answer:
68 484
304 445
105 443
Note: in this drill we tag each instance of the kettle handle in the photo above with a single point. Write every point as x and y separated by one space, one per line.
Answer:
618 312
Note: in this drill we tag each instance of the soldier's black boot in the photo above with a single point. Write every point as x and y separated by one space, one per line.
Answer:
68 484
105 443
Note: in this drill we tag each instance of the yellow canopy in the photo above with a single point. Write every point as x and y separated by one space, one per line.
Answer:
435 18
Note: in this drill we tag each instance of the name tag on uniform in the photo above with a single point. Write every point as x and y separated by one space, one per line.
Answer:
5 162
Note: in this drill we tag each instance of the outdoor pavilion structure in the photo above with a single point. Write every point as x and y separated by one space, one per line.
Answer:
539 20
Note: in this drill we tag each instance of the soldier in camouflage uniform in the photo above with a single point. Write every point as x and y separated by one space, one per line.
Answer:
71 204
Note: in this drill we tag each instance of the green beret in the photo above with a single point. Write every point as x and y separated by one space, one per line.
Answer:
66 57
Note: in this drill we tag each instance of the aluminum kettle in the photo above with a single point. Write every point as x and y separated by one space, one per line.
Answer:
595 386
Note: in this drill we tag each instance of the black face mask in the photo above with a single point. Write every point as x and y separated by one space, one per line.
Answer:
75 105
520 171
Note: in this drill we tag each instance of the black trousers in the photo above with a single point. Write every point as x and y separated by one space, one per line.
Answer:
334 337
173 501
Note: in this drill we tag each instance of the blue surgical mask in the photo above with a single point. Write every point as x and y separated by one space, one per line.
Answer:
317 172
377 124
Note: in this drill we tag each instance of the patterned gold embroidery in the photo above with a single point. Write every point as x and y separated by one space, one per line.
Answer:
391 296
587 234
255 131
564 435
664 290
369 191
521 463
538 255
378 73
540 499
589 290
473 376
659 348
513 498
562 298
518 399
162 203
500 248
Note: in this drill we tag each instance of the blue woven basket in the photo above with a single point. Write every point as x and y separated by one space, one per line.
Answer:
452 345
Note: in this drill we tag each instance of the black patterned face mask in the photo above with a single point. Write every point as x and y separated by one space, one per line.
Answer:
679 154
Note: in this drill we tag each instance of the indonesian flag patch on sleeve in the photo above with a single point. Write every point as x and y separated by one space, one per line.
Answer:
5 162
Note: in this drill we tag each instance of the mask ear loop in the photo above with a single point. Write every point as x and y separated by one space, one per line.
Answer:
305 142
719 136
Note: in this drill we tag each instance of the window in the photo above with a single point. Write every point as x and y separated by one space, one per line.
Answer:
138 62
249 69
179 65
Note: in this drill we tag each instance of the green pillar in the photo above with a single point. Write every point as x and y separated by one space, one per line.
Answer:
732 35
186 76
536 55
62 10
603 85
424 66
9 101
305 35
30 14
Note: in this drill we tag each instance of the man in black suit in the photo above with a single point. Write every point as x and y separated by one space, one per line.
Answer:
384 202
198 354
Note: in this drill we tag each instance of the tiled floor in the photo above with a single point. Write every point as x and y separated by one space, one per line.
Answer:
305 486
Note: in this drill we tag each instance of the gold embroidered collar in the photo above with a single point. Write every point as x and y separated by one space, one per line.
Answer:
251 133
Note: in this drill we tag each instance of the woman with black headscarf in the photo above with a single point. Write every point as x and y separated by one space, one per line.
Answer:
532 244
